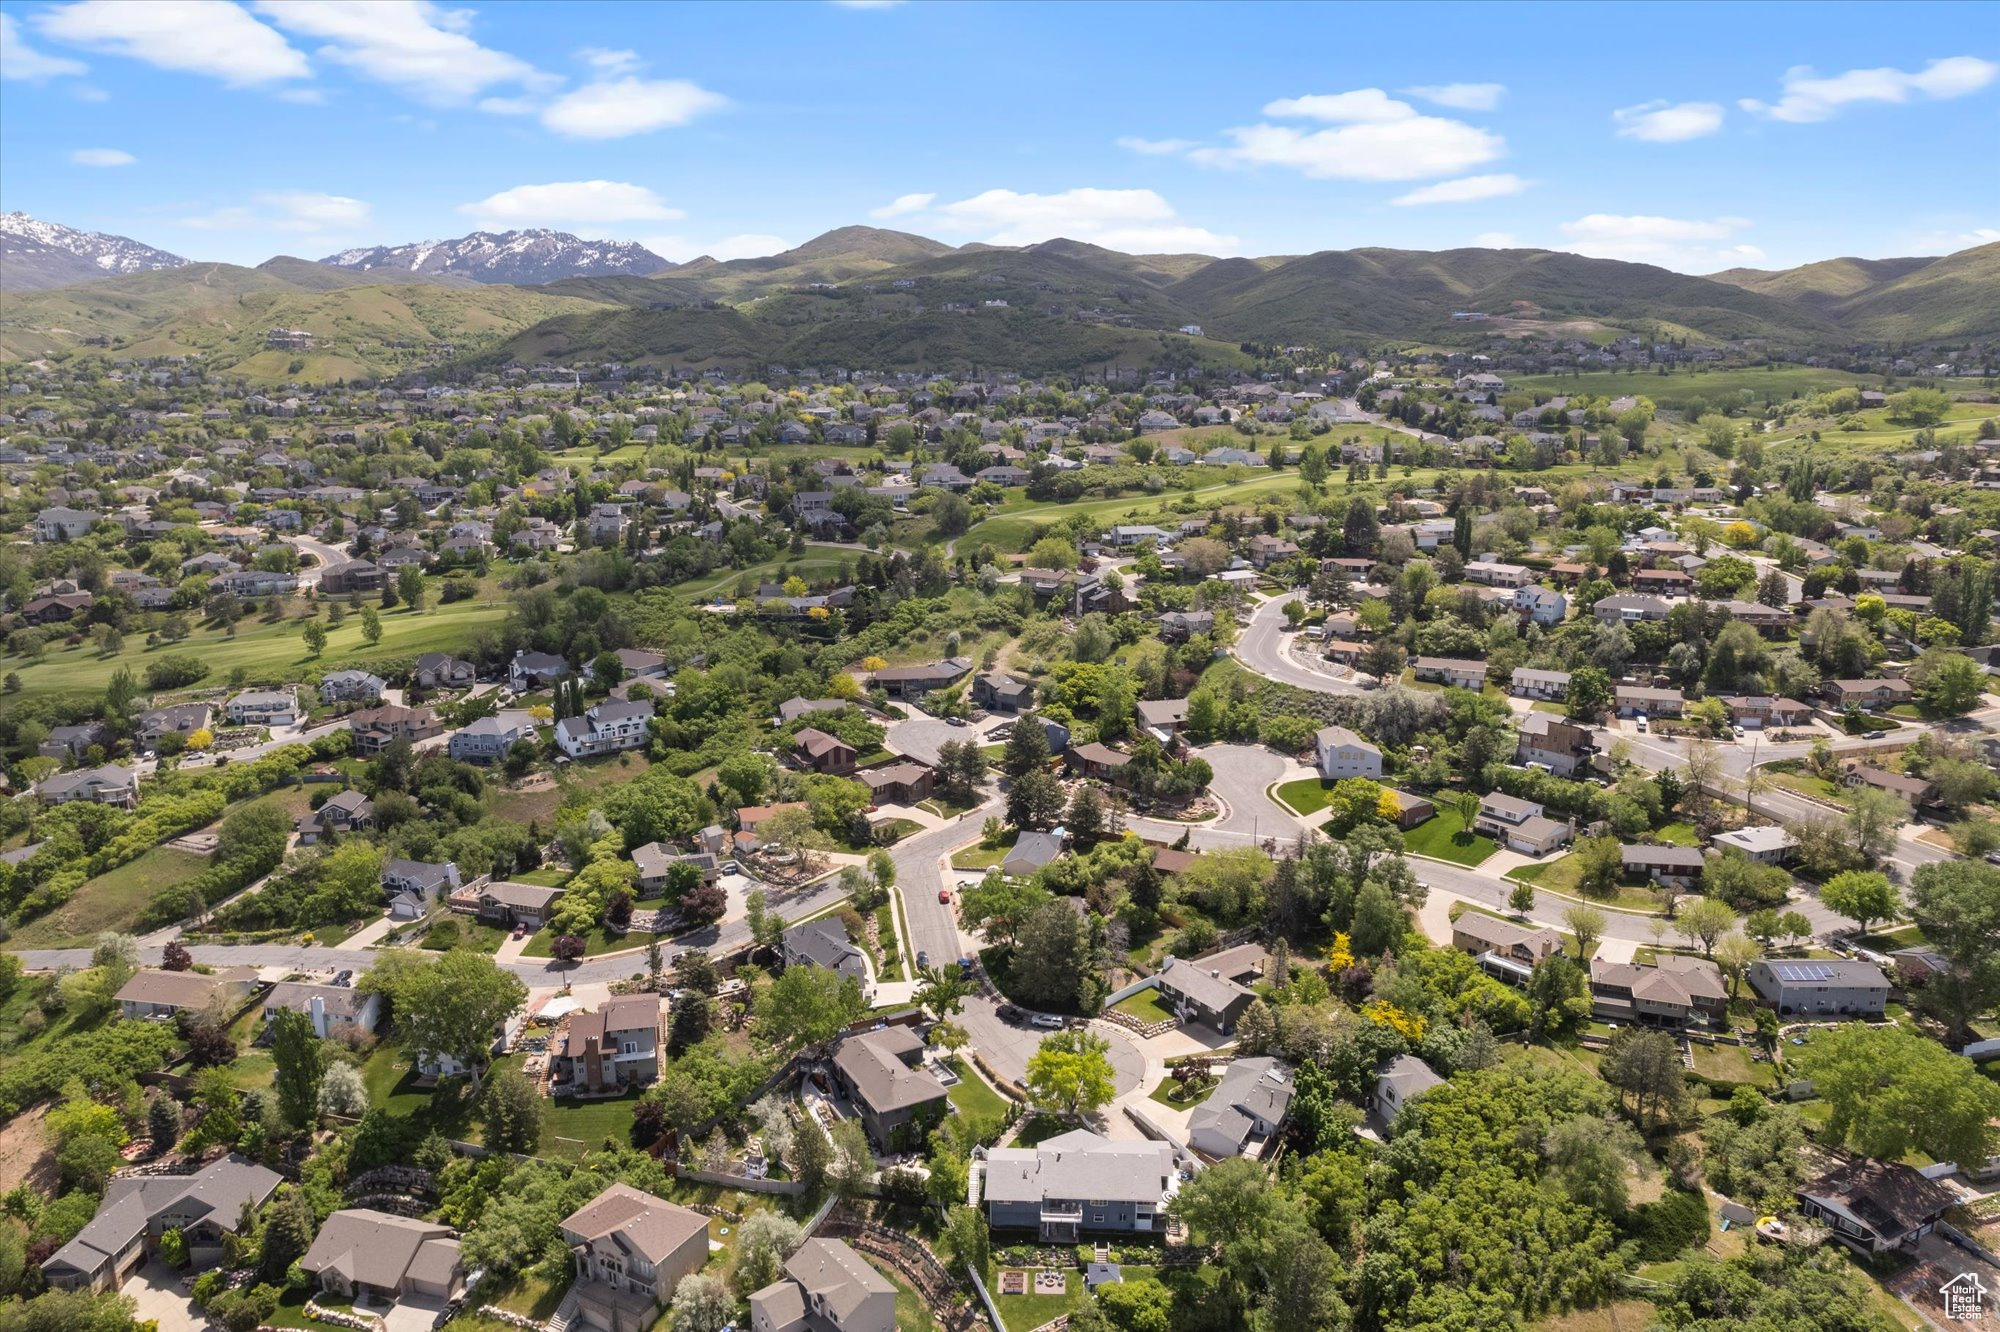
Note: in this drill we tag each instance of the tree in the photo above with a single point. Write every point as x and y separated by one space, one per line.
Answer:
371 626
342 1092
808 1006
1957 905
410 586
1521 898
454 1006
1948 683
175 956
1379 922
1591 1158
1070 1074
513 1113
1794 926
853 1163
1600 861
763 1242
702 1304
1646 1066
1734 953
301 1064
1051 958
967 1239
163 1121
1035 800
315 635
1587 924
1863 896
1559 995
1705 920
1232 1205
1872 818
942 991
1588 693
1892 1090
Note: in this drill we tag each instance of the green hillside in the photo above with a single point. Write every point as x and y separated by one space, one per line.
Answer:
1957 296
1824 284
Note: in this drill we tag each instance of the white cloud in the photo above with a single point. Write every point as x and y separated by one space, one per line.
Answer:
751 245
1156 147
302 211
1466 189
102 157
18 60
903 205
570 203
409 44
615 108
1947 239
1379 138
509 106
1137 221
1664 122
1462 96
1684 244
1808 97
211 37
607 61
1497 240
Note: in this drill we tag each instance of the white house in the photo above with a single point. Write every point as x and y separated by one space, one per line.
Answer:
605 728
1342 753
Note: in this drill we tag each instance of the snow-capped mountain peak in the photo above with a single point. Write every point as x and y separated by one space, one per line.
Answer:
508 256
35 254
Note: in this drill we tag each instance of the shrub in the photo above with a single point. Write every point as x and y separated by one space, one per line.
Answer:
1664 1229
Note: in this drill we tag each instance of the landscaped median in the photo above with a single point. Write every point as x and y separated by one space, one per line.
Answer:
1559 878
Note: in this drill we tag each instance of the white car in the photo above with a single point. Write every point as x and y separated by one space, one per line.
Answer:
1046 1022
1641 720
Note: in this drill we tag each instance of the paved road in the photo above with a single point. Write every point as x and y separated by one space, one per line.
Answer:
1242 772
1261 647
934 930
328 556
920 735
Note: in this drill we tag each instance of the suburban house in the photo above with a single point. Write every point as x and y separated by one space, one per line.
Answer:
66 744
1765 845
904 782
997 691
108 785
1544 606
827 1287
1645 701
1754 712
1453 671
656 860
161 994
824 943
344 813
535 670
1910 790
262 707
414 887
441 670
1629 608
329 1006
1557 745
605 728
375 729
508 903
916 681
616 1047
352 576
1673 992
1502 946
1079 1181
1868 695
1663 582
63 524
1163 718
488 739
823 753
182 719
1212 990
350 686
1097 760
1244 1112
1031 851
1341 753
1670 866
362 1252
1398 1082
630 1250
1179 626
1875 1206
1550 686
882 1073
138 1209
1519 824
1493 573
1831 986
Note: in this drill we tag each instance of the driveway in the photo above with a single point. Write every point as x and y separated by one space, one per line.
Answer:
920 735
156 1290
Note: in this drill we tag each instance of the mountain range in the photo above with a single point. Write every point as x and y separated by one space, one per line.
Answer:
863 296
35 255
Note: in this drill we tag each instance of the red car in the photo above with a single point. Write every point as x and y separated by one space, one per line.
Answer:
944 895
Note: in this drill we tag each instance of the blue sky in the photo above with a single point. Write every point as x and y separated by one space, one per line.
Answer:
1696 137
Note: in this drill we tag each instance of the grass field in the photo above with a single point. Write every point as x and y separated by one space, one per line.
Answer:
978 857
1168 1094
1446 837
1561 874
1146 1006
110 901
1306 796
1018 517
599 941
269 653
818 562
972 1096
1732 1063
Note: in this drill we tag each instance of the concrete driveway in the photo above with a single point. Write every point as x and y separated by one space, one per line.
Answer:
156 1290
920 735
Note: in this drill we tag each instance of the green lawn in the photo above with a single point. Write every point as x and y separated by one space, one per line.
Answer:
1446 837
977 857
1561 874
1038 1129
1732 1063
1146 1006
1678 834
912 1314
454 931
111 901
1168 1092
601 939
269 652
972 1096
548 876
1817 787
1305 796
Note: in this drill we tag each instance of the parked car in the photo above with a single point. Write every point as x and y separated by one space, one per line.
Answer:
944 895
1009 1013
1641 720
923 958
1874 735
1047 1022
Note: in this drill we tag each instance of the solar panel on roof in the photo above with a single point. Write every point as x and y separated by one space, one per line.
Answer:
1802 971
